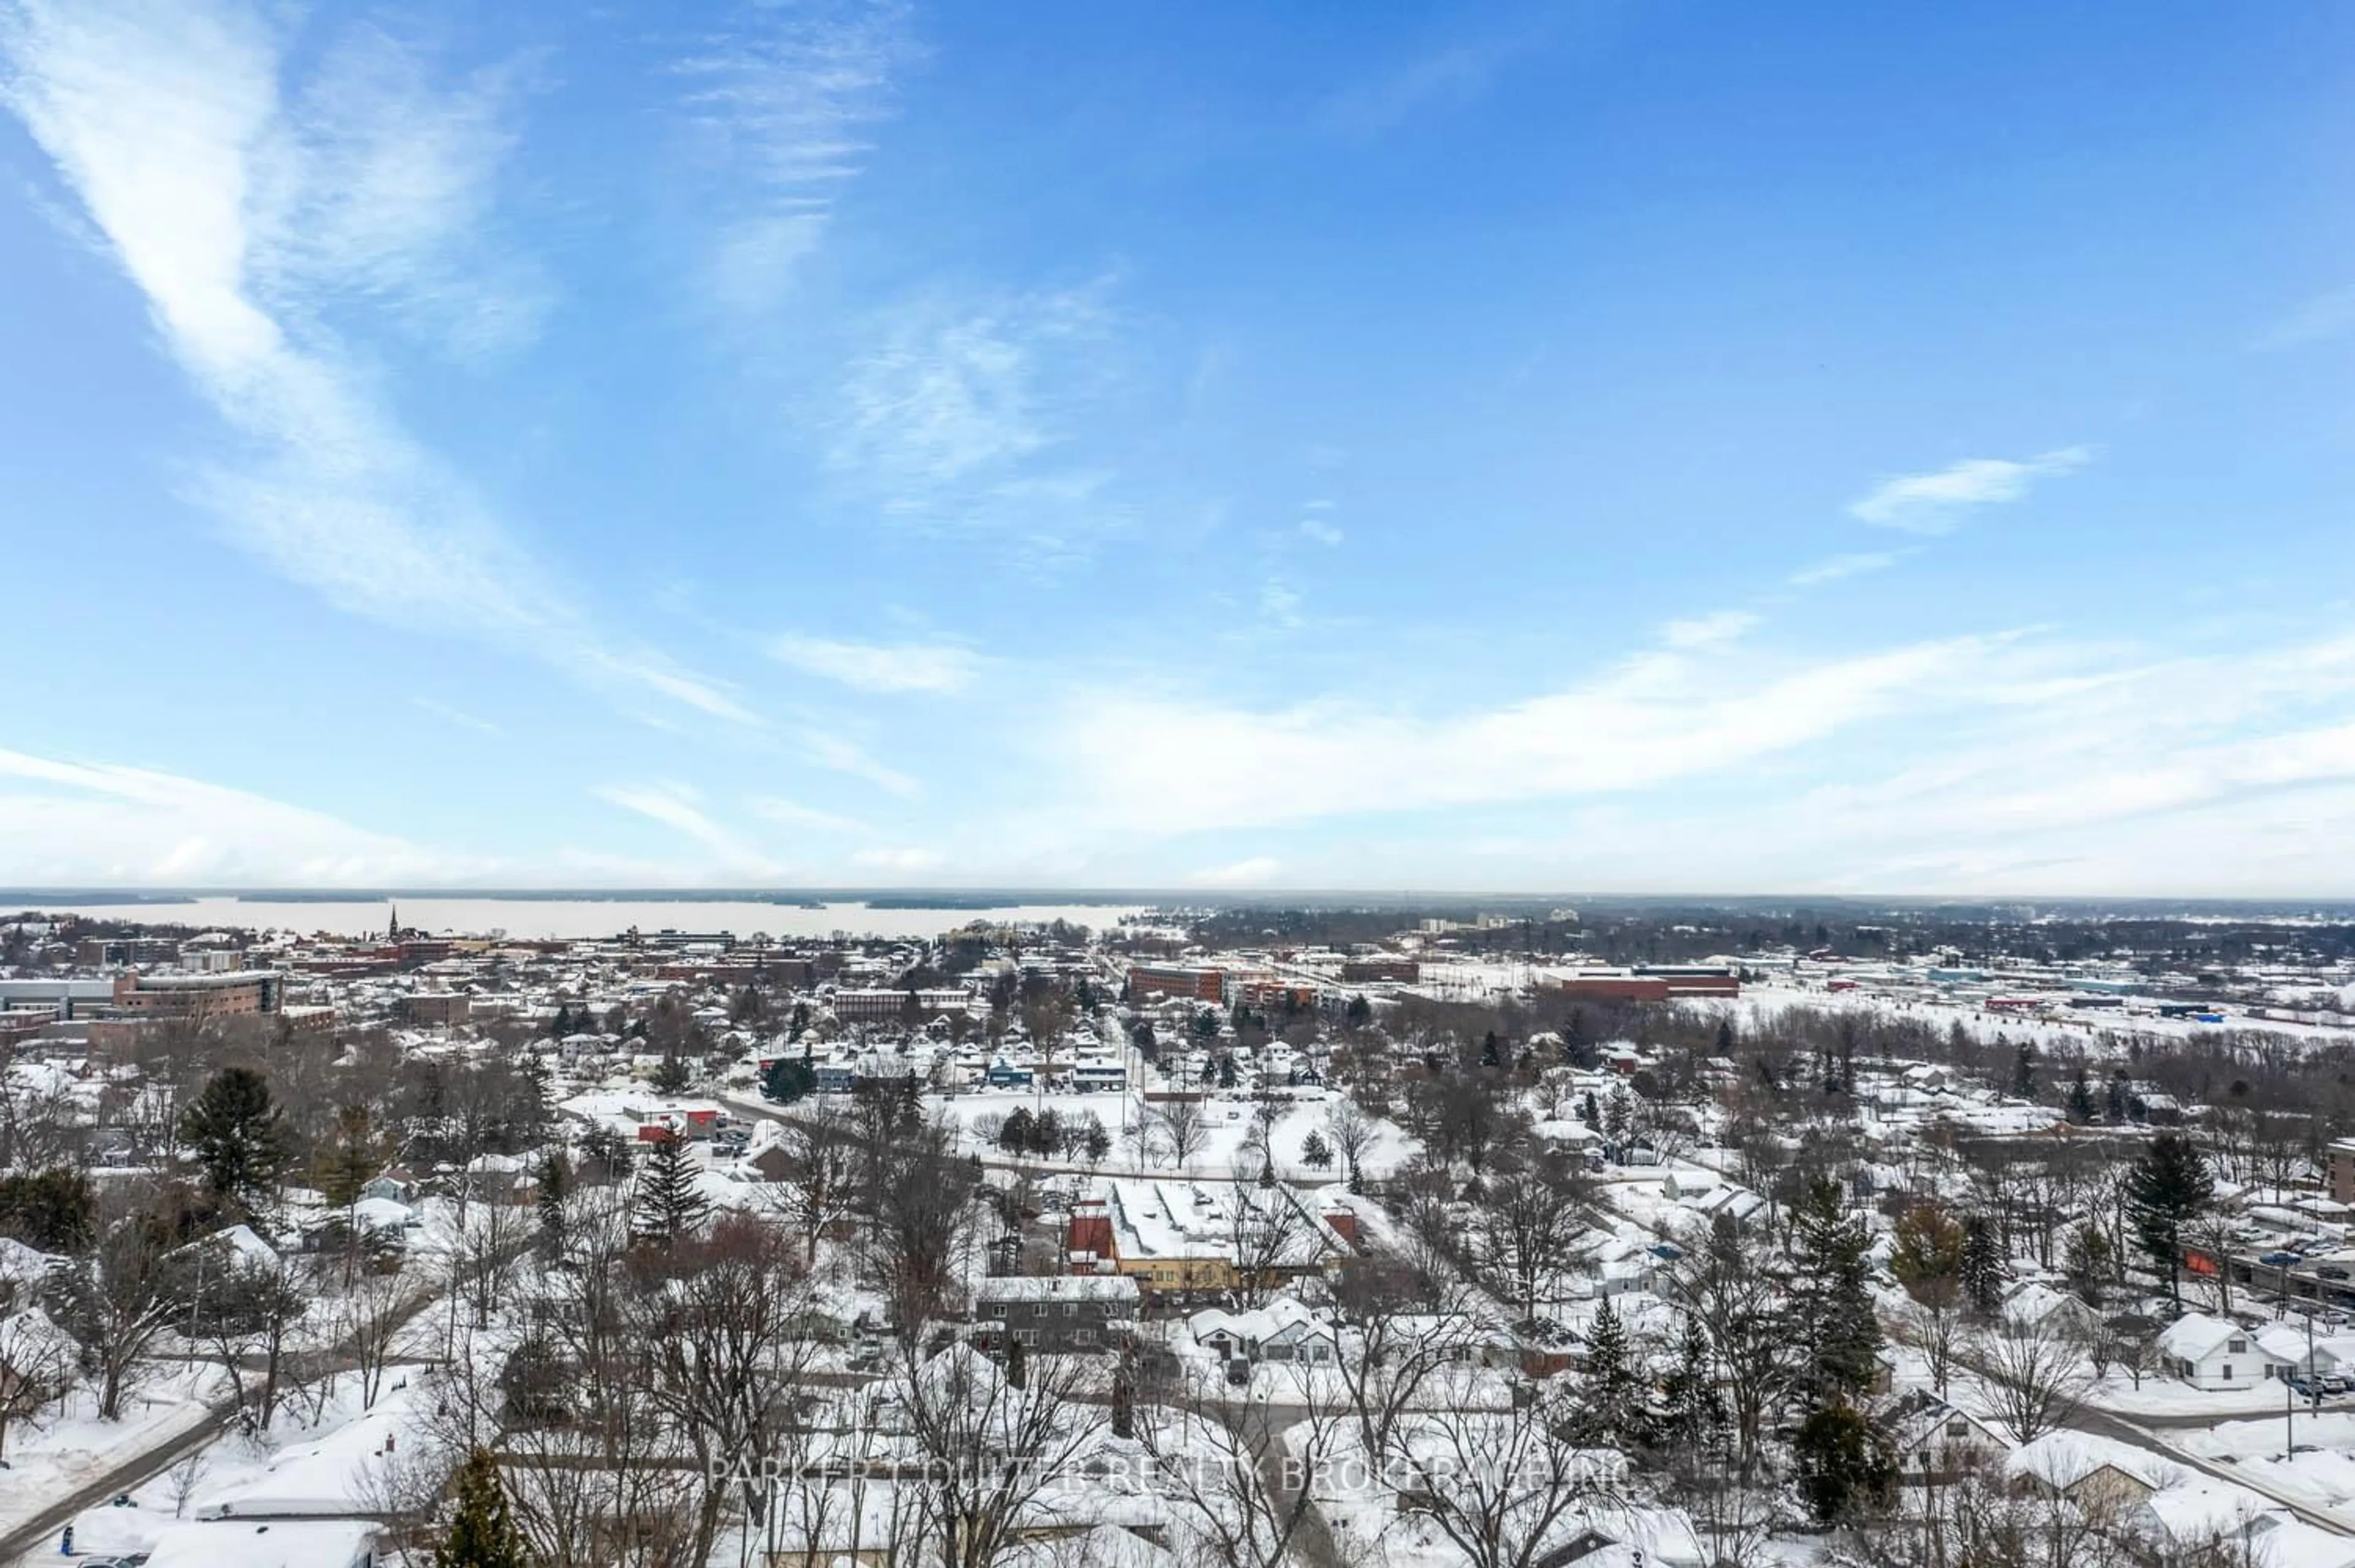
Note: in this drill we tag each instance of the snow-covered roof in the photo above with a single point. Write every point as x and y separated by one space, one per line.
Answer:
1110 1287
308 1544
2196 1336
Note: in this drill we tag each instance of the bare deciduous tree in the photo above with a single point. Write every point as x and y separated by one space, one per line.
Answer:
2035 1376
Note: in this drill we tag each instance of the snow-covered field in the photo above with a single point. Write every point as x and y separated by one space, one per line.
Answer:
1760 1001
1226 1133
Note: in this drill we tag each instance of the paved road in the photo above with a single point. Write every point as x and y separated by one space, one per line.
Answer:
2103 1423
38 1534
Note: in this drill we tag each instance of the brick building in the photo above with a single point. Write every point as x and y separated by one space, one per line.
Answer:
1194 983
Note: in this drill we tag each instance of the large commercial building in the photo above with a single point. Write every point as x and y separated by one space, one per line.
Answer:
1194 983
232 995
1186 1239
1645 983
887 1007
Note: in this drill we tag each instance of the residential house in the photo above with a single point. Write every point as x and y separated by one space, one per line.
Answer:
1060 1312
2213 1353
1283 1330
2106 1478
1933 1442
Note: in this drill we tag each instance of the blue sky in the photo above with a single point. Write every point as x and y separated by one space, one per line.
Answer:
1631 447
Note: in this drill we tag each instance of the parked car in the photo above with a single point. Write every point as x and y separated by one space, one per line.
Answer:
2331 1271
2282 1260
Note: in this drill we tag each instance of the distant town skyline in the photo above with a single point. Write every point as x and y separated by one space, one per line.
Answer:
865 444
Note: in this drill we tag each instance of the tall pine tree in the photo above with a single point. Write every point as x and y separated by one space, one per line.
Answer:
240 1138
670 1202
555 1187
1830 1307
1613 1387
1982 1265
2167 1189
482 1533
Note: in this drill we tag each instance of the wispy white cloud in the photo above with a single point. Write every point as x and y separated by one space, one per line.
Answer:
936 667
1279 604
787 96
679 807
1707 631
1144 761
225 206
458 716
375 186
1931 503
793 814
1835 568
1449 76
1322 533
847 756
2318 320
958 416
2015 764
102 823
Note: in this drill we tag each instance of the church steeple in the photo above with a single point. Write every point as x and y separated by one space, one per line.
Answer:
393 934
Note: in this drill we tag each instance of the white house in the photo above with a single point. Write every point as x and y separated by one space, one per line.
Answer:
2214 1353
1283 1330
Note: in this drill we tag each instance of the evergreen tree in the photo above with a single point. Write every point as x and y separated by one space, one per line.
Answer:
1014 1133
1226 1070
1124 1400
671 1074
1845 1462
2024 1070
2167 1189
1613 1387
2117 1097
788 1079
1725 1037
1491 1053
1928 1256
1690 1408
353 1159
670 1202
2090 1260
1315 1152
2081 1100
561 1025
1830 1303
555 1185
240 1138
482 1533
1017 1364
1982 1265
533 1070
1577 1045
53 1210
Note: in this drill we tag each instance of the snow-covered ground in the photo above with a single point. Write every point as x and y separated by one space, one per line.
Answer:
59 1451
1227 1132
298 1469
1760 1000
2161 1396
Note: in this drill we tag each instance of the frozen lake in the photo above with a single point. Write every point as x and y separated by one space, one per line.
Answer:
576 918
